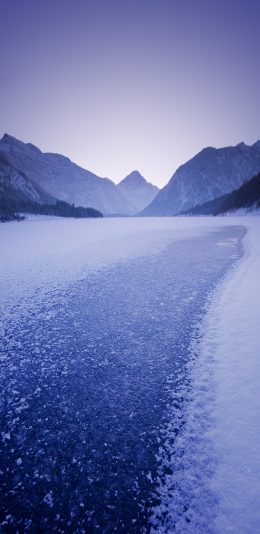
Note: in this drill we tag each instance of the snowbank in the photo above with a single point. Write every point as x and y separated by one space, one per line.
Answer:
209 475
233 339
242 212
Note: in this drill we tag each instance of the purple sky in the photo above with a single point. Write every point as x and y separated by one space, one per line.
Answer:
118 85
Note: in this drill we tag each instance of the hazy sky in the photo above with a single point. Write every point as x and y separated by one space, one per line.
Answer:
118 85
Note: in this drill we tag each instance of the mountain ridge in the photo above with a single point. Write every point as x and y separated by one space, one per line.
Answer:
63 179
209 174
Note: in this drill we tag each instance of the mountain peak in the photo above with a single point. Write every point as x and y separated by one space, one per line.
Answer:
134 178
138 191
8 138
11 141
241 145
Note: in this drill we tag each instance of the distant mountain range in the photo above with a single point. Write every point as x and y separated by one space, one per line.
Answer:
56 177
138 191
30 176
63 179
210 174
246 196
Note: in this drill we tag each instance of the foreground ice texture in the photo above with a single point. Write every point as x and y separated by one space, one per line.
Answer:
91 375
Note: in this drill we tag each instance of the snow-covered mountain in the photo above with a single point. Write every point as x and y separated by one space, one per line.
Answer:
63 179
15 186
210 174
138 191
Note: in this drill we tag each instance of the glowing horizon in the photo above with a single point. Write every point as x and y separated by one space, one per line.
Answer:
118 86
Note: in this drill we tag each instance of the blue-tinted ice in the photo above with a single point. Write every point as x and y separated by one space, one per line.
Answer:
85 388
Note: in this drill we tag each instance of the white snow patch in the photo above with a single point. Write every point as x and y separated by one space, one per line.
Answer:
234 341
241 212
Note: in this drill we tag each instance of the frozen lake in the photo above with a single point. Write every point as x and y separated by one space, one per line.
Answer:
98 319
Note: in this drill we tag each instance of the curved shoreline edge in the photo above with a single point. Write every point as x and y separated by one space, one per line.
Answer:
215 484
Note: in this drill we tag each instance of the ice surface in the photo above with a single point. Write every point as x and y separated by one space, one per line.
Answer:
100 320
42 253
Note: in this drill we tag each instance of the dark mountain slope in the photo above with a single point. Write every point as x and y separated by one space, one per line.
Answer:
247 196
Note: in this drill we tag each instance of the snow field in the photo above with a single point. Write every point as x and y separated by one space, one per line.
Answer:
233 339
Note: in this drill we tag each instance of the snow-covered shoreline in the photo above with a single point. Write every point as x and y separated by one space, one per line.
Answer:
233 341
214 486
